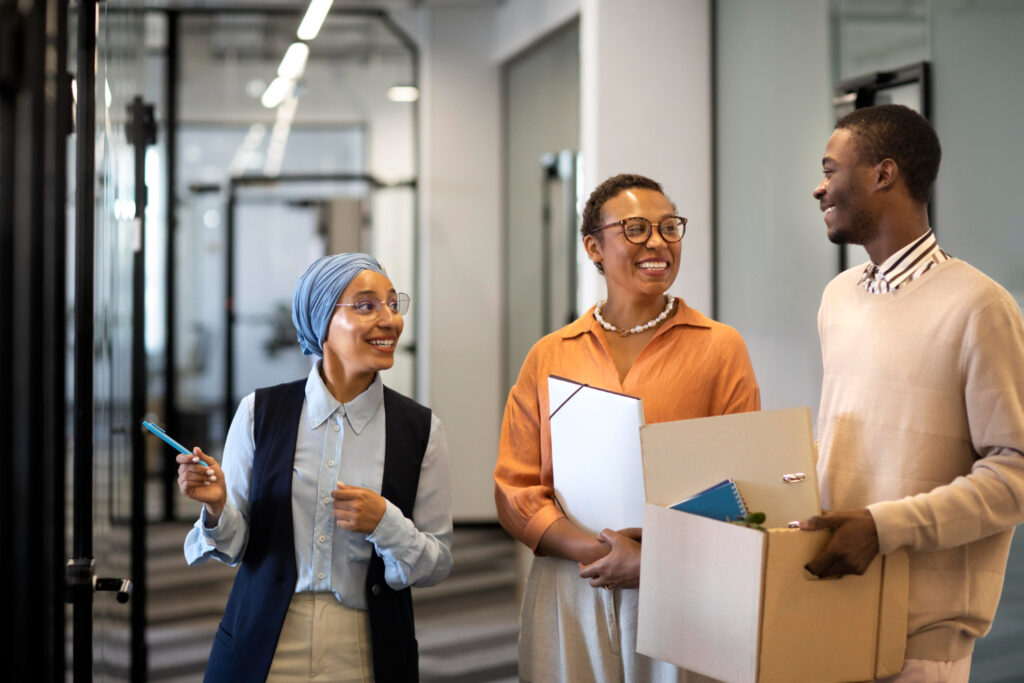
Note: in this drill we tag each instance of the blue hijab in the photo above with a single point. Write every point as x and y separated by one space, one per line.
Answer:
317 292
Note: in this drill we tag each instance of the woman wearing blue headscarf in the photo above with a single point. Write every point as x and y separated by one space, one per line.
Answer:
334 497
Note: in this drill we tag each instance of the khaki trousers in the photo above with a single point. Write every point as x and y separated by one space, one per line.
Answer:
928 671
322 640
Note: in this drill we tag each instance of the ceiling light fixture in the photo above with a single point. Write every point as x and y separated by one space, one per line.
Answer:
403 93
247 150
293 64
276 92
279 137
314 19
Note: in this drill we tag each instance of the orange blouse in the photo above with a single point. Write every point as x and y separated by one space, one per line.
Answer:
692 367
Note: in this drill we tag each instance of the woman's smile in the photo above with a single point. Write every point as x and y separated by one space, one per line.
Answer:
653 266
383 344
631 269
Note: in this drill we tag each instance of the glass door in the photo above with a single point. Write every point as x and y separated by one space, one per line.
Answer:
267 183
107 634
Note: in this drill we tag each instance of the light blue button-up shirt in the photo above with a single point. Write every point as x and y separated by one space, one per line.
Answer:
337 442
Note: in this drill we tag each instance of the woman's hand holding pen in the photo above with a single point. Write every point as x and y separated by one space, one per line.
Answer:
620 568
204 484
357 509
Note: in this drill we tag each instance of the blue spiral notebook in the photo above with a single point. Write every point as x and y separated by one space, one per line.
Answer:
722 501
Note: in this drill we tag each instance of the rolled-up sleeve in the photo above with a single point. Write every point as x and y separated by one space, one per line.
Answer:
417 551
526 505
226 542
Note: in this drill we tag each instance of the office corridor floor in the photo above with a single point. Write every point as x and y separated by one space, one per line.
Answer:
467 626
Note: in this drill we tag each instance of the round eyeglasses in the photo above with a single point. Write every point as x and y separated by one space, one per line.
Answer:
638 229
397 304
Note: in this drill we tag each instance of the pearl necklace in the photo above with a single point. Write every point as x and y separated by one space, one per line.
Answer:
669 302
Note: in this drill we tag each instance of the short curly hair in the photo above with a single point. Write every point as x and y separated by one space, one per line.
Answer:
893 131
592 211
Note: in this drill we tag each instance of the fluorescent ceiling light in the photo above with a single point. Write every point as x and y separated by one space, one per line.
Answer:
294 61
314 19
275 93
403 93
279 137
247 150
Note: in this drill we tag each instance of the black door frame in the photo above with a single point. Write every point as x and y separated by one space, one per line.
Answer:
35 99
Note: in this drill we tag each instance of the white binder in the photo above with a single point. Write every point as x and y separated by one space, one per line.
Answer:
595 454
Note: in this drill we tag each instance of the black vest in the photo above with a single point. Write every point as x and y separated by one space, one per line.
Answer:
247 637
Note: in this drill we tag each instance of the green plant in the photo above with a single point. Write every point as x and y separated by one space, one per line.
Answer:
754 520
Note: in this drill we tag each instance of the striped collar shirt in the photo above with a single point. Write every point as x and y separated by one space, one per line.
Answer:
906 265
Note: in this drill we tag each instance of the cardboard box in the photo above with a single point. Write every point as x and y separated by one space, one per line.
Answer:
736 603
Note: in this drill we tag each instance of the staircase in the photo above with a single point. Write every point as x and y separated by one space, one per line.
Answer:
184 606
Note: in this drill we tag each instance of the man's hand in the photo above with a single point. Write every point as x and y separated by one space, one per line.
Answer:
853 545
620 568
357 509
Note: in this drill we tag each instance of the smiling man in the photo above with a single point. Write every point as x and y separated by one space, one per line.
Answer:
921 425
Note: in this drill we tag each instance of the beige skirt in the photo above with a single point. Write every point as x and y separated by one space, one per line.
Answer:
322 640
570 631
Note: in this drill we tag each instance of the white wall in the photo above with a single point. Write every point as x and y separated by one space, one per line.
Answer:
646 108
459 292
652 119
522 22
460 244
977 66
541 97
774 118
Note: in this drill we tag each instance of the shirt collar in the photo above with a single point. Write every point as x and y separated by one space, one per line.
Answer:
684 315
904 265
321 405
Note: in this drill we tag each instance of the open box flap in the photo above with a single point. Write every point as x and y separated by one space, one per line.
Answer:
755 449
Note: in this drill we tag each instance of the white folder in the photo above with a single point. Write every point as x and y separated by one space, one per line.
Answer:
595 454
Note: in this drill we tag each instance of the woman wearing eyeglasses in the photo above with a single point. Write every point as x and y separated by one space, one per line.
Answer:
578 619
334 496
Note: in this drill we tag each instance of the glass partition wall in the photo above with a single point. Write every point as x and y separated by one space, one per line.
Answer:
120 76
270 177
254 185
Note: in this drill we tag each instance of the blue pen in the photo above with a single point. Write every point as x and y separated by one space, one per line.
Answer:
169 441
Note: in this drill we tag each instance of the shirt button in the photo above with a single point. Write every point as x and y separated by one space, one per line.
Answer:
330 463
320 575
336 428
322 538
327 499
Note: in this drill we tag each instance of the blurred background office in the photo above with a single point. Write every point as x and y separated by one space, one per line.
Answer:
168 167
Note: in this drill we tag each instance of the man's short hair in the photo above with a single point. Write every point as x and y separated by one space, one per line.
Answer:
893 131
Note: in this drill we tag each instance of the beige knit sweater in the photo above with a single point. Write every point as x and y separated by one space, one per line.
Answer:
922 421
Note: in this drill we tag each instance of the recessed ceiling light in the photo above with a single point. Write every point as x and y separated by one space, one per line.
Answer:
403 93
